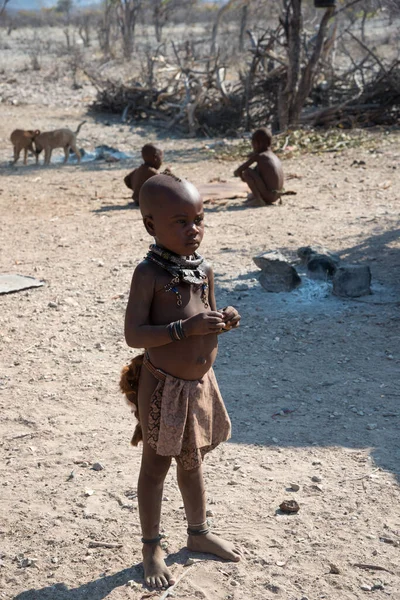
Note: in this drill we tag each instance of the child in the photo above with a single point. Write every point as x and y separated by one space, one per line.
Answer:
152 157
266 179
172 313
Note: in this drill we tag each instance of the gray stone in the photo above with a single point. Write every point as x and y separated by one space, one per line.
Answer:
320 266
305 253
352 281
277 274
97 467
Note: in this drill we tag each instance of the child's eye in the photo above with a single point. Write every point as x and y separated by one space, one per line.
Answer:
199 220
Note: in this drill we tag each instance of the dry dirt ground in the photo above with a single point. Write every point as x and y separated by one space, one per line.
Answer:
333 362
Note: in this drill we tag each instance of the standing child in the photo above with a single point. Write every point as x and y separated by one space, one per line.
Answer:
266 179
152 157
172 313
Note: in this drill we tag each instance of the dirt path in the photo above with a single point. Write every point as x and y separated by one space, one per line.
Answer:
334 363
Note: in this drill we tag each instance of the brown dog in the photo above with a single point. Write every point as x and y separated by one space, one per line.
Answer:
22 139
59 138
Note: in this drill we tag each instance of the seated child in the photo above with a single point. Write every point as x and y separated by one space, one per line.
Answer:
152 157
172 313
266 179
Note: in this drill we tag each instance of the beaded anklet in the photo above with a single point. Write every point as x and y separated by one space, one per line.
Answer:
204 529
153 540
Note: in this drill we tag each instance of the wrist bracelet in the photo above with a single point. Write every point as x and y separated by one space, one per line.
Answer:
176 331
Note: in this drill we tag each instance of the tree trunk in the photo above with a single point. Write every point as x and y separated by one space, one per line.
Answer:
243 26
294 93
157 17
293 28
308 74
216 25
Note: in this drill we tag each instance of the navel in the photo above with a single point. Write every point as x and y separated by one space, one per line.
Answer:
201 360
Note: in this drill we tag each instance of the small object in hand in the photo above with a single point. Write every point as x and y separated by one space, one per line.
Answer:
289 506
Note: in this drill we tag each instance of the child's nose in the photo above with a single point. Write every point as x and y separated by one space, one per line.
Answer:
193 228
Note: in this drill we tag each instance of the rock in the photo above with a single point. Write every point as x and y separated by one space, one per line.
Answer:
97 466
209 513
70 302
321 267
295 487
333 569
277 274
366 588
241 287
316 479
289 506
372 426
305 253
52 305
352 281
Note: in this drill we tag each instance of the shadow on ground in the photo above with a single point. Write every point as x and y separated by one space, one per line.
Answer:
100 588
323 374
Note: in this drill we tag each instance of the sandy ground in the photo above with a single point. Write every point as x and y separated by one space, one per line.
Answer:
333 362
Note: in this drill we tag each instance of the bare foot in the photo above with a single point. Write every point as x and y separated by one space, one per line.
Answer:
253 202
214 545
156 574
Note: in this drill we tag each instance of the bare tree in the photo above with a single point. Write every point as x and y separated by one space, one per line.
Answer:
163 10
105 28
3 5
300 75
127 15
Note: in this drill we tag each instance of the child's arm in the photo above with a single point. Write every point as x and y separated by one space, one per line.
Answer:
230 315
139 333
246 165
127 180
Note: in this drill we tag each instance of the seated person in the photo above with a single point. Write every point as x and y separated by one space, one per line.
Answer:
152 157
265 180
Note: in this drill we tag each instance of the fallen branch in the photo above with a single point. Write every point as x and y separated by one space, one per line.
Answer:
94 544
372 567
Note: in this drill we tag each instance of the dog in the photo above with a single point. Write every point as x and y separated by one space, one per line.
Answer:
59 138
22 139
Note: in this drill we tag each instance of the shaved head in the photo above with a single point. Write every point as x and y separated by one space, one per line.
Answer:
164 192
262 137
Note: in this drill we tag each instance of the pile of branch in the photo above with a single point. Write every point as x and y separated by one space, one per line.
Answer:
376 103
189 94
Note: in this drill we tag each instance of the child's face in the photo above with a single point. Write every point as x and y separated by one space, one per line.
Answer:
178 225
154 159
157 159
258 145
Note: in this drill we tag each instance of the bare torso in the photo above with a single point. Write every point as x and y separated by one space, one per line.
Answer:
192 357
137 178
269 167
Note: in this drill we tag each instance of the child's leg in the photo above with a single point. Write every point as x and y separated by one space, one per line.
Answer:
191 485
262 195
153 471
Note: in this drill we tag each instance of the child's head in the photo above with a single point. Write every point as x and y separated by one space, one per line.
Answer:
172 211
261 139
152 155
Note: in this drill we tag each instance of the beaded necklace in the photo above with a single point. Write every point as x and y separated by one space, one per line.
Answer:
182 269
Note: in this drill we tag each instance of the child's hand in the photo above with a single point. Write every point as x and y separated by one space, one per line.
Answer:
231 318
204 323
236 173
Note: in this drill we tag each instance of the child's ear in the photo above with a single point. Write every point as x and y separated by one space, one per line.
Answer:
148 223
